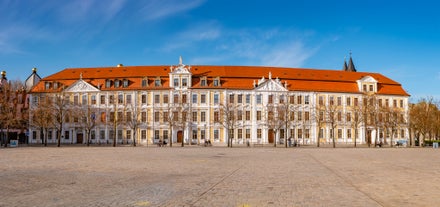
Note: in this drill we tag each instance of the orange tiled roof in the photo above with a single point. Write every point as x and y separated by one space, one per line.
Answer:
232 77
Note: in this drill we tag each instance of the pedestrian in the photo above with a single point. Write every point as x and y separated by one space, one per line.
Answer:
289 141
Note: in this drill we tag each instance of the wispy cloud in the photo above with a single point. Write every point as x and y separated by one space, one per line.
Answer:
157 9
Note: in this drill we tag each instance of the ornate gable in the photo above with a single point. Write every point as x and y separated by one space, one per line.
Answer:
81 86
270 84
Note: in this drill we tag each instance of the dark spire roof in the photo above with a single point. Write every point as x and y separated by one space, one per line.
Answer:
345 67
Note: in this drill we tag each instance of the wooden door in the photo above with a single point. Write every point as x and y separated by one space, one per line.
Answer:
270 136
179 136
79 138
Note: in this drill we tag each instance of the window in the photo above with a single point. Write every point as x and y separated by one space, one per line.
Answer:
292 116
258 115
217 82
258 99
239 98
216 116
184 82
248 115
299 100
125 83
165 134
120 99
248 98
216 134
117 83
157 82
292 99
270 99
102 101
203 116
165 98
306 115
231 98
216 98
380 102
203 98
339 101
176 82
84 100
128 134
128 99
332 101
184 98
348 116
240 115
240 133
55 85
194 134
339 133
281 98
156 134
300 132
281 133
394 103
144 82
143 134
387 103
144 116
75 100
307 133
165 116
144 98
401 103
321 100
108 83
156 116
248 133
259 133
321 133
339 116
371 88
102 134
157 99
356 101
364 88
299 115
111 99
348 101
176 98
103 117
128 116
194 98
306 99
93 97
194 116
203 82
321 116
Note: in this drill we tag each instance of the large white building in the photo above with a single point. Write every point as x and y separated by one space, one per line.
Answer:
189 103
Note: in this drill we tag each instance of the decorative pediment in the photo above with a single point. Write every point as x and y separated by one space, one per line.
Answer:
181 68
368 79
81 86
271 85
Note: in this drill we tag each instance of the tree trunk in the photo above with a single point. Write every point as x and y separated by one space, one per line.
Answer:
134 137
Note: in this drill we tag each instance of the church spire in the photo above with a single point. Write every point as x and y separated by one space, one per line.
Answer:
350 67
345 67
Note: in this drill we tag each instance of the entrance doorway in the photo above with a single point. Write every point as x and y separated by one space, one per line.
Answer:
79 138
270 137
180 136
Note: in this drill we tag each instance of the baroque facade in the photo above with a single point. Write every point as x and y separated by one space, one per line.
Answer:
191 104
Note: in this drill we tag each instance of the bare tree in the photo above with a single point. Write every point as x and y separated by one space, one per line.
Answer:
275 118
423 118
42 117
356 119
133 119
228 118
60 108
11 107
87 119
331 113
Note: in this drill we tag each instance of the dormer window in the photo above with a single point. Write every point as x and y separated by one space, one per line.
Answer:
108 83
217 81
125 83
55 85
203 81
157 82
117 82
145 82
47 85
371 87
364 88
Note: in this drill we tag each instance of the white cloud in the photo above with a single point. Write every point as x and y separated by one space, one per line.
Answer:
290 54
157 9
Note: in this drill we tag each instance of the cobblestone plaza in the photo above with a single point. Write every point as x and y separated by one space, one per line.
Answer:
219 176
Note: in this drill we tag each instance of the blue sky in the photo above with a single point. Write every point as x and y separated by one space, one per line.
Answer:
400 39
